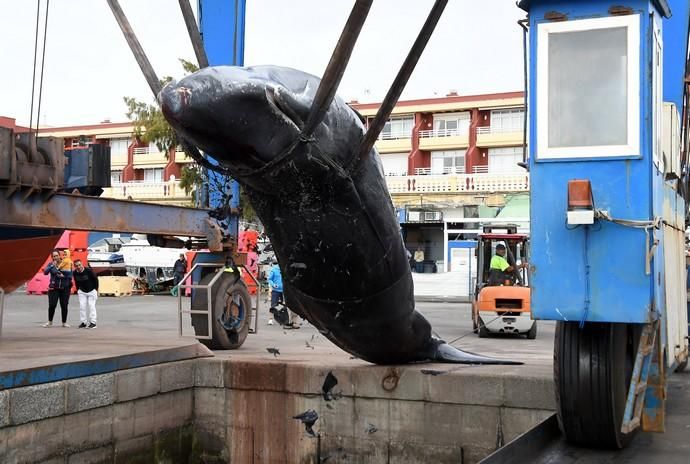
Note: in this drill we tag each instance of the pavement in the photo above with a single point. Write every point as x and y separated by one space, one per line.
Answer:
143 323
450 287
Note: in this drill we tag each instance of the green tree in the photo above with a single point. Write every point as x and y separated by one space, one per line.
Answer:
150 126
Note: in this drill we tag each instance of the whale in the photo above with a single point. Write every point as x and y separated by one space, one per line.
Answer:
326 209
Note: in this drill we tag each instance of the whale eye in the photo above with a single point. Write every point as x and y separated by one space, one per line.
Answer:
285 102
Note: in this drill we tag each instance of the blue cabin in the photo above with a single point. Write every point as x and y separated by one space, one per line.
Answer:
608 206
598 116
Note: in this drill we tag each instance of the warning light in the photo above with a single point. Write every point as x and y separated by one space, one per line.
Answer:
580 202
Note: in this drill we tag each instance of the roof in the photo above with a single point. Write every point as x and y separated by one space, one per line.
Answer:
661 5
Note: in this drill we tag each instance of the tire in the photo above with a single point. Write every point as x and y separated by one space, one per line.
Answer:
482 330
532 334
475 327
225 289
592 369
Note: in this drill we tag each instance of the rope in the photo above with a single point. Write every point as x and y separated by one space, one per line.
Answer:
43 62
636 224
33 75
472 331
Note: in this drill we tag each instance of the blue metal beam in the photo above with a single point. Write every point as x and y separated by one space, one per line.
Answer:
222 30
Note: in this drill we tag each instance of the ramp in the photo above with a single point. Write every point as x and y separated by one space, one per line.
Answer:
544 444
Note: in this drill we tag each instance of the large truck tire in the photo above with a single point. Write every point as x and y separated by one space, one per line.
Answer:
592 369
231 309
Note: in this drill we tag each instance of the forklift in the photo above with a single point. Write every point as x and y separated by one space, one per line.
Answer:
501 300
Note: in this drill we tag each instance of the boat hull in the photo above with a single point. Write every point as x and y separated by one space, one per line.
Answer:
22 252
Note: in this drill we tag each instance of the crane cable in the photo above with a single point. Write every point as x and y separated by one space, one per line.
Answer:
33 76
43 61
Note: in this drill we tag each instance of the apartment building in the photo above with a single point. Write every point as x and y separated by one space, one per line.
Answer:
139 171
451 163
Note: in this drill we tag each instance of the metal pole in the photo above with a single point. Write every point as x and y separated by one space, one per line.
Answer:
136 48
337 65
2 307
401 79
194 34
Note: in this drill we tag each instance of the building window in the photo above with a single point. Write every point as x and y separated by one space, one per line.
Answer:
505 159
452 124
394 164
118 147
153 175
507 120
398 128
448 162
115 177
588 88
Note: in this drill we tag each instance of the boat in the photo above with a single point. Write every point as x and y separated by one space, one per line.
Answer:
23 251
150 263
105 255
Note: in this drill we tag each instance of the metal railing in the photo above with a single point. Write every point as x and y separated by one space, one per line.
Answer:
209 301
498 130
252 314
445 170
152 150
463 131
459 183
143 189
2 307
395 135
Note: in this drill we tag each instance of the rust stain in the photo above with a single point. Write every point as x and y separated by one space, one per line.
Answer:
555 16
390 380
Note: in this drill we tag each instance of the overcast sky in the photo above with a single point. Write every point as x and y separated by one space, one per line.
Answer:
476 48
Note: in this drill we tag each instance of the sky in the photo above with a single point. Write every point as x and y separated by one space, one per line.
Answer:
476 48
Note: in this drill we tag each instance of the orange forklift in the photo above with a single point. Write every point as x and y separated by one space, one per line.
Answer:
501 300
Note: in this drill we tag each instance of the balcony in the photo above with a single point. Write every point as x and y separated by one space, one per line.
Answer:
444 139
161 192
459 183
490 136
118 160
149 157
394 142
450 170
181 156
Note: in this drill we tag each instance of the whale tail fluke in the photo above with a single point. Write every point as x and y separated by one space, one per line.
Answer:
449 354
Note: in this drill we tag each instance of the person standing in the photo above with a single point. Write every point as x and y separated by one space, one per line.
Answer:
179 269
419 259
275 280
86 282
59 287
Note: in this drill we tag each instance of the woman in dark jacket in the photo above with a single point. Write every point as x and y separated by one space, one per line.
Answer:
59 288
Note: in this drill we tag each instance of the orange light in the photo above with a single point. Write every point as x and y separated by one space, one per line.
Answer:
580 194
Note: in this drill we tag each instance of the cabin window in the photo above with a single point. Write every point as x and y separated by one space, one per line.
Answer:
588 88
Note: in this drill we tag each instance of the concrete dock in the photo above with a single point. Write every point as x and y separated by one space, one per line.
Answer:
138 389
238 405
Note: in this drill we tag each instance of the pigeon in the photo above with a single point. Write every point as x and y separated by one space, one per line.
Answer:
328 384
371 429
274 351
308 418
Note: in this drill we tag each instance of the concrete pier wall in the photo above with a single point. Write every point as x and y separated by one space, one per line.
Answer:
225 410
